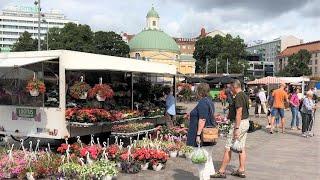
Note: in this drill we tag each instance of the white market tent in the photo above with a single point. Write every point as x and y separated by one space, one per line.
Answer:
72 60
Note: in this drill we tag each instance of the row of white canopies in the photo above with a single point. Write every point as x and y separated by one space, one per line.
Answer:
278 80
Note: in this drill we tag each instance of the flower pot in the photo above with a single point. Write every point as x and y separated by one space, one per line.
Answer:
157 167
100 98
107 177
144 166
30 176
180 154
173 154
84 95
34 92
188 155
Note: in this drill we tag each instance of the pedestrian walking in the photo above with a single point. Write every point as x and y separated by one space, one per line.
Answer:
238 115
294 105
170 113
280 97
263 100
307 109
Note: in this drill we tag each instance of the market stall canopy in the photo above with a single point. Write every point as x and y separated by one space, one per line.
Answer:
223 80
22 61
295 80
195 80
73 60
267 80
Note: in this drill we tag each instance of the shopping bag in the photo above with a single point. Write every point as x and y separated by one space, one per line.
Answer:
199 156
236 146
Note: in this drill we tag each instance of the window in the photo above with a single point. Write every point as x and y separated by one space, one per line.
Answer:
316 61
315 70
154 23
137 56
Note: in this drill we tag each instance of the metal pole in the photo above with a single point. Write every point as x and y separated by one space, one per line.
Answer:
227 66
47 36
206 65
39 23
216 66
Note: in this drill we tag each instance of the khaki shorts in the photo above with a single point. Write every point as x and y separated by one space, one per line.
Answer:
244 126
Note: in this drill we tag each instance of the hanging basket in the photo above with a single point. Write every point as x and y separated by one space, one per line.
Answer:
83 95
34 92
100 98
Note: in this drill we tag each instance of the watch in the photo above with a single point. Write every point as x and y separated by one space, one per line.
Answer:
198 135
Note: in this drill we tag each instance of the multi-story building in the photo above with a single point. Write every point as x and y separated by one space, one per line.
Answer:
258 68
16 19
269 50
312 47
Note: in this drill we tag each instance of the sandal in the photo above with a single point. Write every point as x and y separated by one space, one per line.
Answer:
238 173
219 175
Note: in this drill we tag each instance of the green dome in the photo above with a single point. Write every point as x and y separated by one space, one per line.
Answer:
153 13
153 40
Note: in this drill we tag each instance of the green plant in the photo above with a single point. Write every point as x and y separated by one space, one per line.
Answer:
102 168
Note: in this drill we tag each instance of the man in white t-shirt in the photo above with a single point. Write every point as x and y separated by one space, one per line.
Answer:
263 100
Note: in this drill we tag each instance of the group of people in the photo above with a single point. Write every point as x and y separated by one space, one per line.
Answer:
236 102
280 99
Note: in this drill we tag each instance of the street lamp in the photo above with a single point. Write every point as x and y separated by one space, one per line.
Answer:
37 3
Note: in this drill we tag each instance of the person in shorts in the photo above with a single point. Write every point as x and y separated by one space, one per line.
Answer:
238 115
280 97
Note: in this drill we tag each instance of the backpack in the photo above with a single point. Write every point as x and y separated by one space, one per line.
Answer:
301 104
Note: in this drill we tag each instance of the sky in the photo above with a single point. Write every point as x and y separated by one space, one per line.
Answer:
250 19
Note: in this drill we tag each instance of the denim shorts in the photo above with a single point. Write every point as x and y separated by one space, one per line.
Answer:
276 111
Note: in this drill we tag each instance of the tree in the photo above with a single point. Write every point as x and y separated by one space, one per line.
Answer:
25 43
221 49
297 65
71 37
109 43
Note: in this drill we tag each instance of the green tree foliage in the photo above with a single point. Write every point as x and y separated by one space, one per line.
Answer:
110 43
297 65
221 48
77 38
25 43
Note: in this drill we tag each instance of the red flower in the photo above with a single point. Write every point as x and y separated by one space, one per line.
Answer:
103 90
63 147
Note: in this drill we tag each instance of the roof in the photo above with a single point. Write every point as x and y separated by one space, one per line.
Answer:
184 57
153 40
73 60
153 13
310 46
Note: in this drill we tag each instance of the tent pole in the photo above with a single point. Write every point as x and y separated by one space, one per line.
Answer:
132 91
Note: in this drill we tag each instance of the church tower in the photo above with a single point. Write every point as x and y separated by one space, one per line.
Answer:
153 19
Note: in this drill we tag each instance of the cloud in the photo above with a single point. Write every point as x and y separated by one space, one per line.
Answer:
251 19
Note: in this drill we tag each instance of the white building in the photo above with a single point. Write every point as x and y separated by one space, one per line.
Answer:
16 19
270 50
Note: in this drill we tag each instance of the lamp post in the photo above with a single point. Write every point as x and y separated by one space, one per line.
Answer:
37 3
227 65
216 66
44 21
207 62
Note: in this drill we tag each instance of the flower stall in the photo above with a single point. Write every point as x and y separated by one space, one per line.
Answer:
59 93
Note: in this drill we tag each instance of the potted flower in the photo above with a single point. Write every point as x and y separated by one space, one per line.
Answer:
101 91
35 87
128 164
79 90
104 170
187 150
159 158
143 156
71 169
173 149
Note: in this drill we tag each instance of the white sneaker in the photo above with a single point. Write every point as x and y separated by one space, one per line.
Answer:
268 126
304 135
310 134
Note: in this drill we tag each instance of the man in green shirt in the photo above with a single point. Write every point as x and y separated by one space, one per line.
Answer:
238 115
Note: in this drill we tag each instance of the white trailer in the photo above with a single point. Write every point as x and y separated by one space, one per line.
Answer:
24 116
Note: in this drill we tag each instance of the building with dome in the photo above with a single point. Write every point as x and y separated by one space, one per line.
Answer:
152 44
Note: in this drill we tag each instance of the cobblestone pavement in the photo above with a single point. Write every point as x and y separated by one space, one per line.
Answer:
270 157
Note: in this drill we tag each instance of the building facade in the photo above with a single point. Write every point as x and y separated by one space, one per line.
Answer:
259 68
270 50
312 47
152 44
16 20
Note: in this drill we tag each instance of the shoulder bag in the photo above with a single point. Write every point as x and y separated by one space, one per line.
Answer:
209 133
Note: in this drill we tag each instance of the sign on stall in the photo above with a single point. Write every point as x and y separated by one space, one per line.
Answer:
26 114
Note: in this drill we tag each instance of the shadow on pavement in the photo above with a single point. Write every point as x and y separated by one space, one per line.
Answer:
180 174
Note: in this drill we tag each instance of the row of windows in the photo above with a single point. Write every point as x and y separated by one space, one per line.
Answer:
29 22
22 27
186 47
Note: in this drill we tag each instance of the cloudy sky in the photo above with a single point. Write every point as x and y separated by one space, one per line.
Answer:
250 19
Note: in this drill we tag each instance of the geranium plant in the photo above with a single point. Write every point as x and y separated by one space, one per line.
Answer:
102 91
79 90
35 87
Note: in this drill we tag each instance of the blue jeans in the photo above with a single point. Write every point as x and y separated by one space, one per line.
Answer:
295 117
277 120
